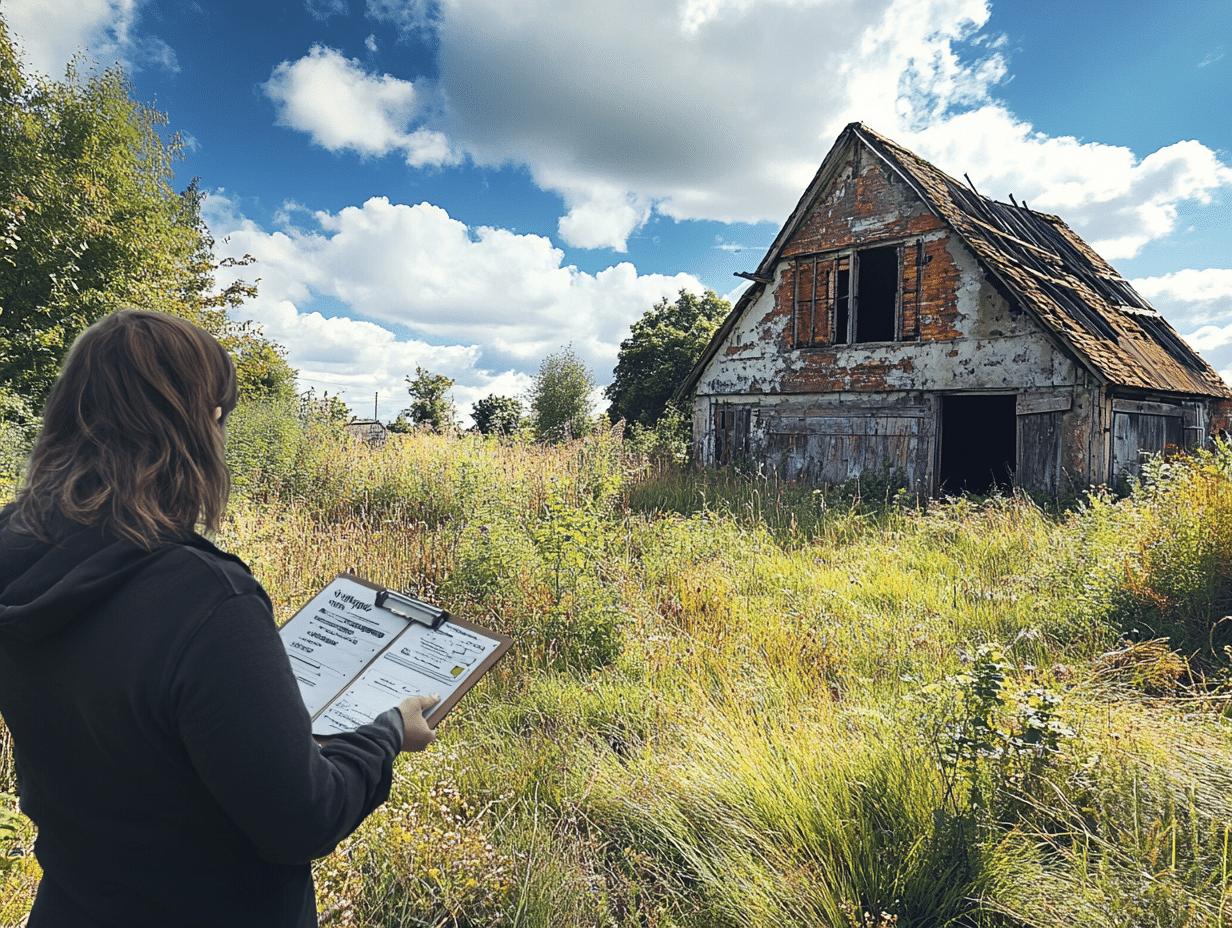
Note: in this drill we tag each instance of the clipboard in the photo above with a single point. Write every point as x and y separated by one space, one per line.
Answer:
358 649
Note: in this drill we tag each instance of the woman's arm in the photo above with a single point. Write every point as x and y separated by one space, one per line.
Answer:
247 733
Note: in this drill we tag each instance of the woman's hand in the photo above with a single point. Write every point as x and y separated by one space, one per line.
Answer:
416 735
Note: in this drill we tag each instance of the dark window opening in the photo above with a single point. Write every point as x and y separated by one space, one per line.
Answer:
842 300
877 295
979 436
855 292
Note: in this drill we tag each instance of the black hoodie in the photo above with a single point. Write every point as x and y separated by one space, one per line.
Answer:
162 746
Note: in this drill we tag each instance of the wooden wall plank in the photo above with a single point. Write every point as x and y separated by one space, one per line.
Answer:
1030 403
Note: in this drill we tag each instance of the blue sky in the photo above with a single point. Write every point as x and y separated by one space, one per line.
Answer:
468 185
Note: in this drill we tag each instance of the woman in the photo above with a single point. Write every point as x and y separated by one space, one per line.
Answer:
161 744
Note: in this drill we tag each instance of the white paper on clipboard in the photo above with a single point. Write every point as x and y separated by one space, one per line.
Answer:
354 660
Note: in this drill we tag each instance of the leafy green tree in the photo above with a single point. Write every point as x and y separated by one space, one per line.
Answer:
327 409
267 443
560 396
400 426
89 223
260 364
661 349
430 406
497 415
333 409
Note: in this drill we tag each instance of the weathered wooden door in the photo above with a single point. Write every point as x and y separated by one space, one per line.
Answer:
834 448
1139 428
731 433
1040 418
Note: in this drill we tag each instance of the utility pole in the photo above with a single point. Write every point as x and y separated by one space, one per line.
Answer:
375 397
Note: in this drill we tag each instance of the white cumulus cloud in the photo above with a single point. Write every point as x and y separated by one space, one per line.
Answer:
601 217
702 109
1189 297
723 109
366 364
50 32
1198 304
341 105
1115 200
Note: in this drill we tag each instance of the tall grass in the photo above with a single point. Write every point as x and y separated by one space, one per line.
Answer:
734 701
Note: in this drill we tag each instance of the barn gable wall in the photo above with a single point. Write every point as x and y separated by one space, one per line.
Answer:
959 332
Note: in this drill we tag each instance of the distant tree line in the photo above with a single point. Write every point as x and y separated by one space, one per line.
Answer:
652 363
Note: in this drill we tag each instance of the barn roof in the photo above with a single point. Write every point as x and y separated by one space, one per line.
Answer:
1037 259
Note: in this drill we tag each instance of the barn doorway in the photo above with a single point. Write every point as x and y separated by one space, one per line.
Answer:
731 434
978 443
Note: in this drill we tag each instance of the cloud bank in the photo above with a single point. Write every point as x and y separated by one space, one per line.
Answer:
722 109
485 305
702 109
1196 302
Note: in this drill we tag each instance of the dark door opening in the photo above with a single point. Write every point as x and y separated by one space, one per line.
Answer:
978 443
731 434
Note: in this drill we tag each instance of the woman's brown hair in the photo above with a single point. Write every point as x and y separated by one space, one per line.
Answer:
129 438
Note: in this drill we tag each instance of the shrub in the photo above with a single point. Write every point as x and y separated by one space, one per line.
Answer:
560 401
497 415
582 633
991 744
265 443
1154 565
669 439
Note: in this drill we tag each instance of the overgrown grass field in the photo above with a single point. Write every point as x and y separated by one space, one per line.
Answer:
739 703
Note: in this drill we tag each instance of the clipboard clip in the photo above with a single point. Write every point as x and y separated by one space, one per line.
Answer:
407 607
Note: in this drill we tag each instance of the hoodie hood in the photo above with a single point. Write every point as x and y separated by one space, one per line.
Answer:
45 587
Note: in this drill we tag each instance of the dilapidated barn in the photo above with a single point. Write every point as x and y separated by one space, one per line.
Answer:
369 430
902 320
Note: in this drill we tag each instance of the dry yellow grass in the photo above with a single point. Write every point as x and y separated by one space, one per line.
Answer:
708 718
